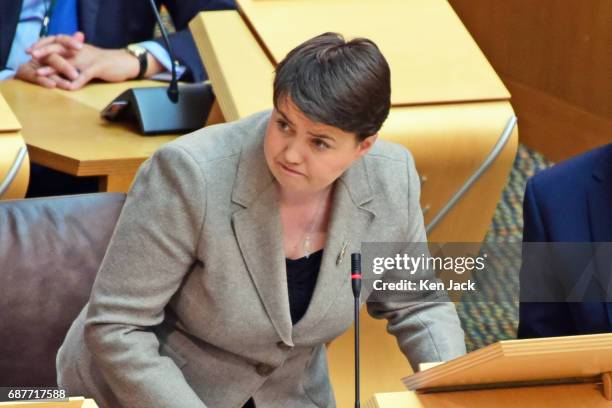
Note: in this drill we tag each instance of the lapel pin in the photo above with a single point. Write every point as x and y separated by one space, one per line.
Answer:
341 254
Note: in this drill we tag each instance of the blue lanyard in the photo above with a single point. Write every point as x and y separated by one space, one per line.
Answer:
44 30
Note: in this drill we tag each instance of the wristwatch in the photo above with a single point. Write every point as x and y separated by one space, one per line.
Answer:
139 52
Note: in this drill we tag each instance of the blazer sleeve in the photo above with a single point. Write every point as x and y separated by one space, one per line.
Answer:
151 251
427 330
538 319
183 45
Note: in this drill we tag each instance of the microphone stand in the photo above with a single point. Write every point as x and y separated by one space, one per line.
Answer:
158 110
356 285
173 93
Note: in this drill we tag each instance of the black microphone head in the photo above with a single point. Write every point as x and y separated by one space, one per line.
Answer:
355 263
173 93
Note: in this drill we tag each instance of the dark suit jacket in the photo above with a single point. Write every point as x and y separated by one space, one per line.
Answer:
117 23
570 202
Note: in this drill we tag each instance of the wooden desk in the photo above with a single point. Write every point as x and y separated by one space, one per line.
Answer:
64 131
11 142
553 396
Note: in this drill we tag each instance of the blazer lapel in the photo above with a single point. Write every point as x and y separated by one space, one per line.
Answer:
88 18
600 219
259 233
349 222
9 17
600 200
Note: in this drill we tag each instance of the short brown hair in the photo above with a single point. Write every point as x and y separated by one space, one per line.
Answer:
345 84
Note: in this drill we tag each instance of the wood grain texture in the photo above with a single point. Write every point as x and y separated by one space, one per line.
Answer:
554 127
555 57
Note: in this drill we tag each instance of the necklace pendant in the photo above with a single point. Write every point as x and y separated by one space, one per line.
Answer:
307 246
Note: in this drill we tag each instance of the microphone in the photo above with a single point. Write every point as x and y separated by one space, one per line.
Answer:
356 284
173 93
158 110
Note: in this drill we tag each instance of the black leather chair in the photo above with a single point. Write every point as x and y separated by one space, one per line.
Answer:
50 251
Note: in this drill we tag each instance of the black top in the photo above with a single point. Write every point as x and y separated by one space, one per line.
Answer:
301 280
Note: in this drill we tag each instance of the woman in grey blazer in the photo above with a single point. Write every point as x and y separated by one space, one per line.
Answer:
227 272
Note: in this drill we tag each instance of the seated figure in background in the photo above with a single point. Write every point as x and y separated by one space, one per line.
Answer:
568 203
67 43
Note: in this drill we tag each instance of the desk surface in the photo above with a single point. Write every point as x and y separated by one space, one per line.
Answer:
11 143
432 56
8 121
64 131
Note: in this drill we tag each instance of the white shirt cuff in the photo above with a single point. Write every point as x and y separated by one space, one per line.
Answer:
7 74
161 55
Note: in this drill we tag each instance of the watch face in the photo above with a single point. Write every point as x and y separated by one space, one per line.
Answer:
140 53
137 50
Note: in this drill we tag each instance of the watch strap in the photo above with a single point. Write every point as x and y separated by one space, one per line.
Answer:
140 53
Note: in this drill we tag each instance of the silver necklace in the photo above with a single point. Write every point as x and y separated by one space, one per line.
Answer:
307 238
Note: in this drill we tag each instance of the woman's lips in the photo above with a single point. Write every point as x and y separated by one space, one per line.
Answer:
289 170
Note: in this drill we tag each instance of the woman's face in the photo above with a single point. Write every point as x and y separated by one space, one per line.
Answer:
306 156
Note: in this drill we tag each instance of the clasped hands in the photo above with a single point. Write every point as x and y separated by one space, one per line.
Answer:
68 63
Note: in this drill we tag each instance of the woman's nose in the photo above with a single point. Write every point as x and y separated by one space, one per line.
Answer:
293 152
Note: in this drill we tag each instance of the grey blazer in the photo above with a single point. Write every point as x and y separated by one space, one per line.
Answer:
190 306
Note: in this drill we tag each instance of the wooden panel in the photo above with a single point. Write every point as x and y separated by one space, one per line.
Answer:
556 396
239 70
553 126
522 360
561 47
432 57
553 51
382 362
11 142
8 121
449 143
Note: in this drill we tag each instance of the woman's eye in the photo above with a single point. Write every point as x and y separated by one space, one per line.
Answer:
282 125
320 144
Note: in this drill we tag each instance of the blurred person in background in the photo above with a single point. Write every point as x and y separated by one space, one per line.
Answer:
67 43
570 202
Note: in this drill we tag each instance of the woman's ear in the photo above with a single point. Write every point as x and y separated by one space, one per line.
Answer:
366 144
